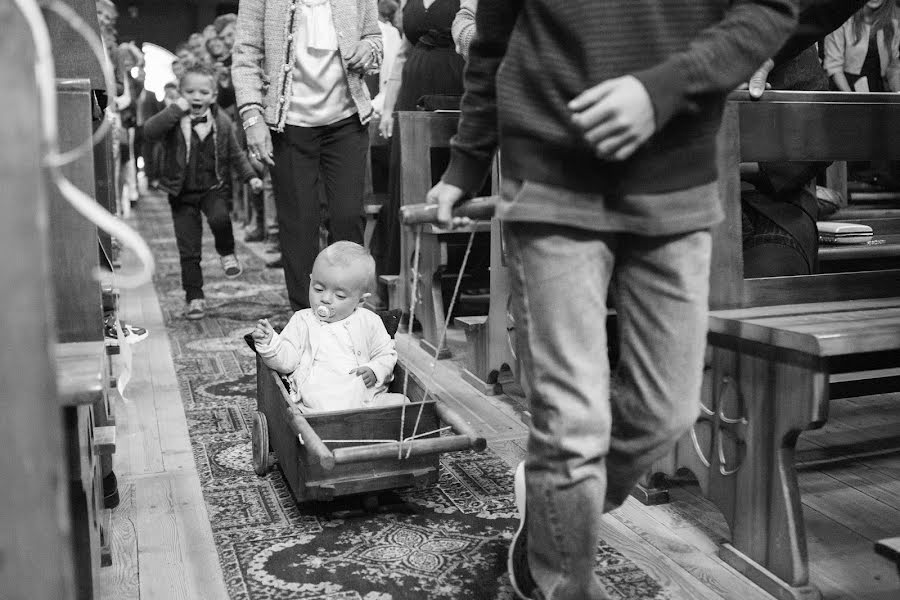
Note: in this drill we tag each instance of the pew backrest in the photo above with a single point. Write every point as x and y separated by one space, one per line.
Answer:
797 126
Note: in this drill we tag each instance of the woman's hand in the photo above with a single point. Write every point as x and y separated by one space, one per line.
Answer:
259 142
362 58
386 126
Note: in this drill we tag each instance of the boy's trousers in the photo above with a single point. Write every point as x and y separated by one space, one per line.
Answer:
587 448
186 211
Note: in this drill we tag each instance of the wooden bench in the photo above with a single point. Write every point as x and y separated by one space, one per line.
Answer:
420 132
779 348
83 369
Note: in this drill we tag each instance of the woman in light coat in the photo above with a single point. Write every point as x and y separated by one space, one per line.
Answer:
298 69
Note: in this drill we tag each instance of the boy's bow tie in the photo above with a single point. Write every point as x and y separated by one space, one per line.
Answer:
198 120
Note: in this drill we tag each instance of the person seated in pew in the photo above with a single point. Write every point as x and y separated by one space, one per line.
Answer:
199 149
338 354
779 204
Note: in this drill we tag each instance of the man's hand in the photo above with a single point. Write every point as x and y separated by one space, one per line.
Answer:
263 332
256 185
615 117
367 374
446 196
759 80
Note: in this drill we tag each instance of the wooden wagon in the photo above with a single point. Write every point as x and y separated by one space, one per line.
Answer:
318 465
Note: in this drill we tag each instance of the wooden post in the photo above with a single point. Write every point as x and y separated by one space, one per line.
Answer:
35 548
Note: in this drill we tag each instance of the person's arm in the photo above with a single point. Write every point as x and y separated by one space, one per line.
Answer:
371 33
463 28
383 354
237 158
817 19
248 55
283 352
720 57
834 59
473 146
392 89
157 126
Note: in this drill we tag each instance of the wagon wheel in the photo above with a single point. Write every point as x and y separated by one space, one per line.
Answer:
260 436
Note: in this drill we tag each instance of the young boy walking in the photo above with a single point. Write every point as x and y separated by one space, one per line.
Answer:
607 114
199 148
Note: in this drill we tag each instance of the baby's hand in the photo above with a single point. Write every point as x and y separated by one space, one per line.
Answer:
367 374
183 104
256 185
263 332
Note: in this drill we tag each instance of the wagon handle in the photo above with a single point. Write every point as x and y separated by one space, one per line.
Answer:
477 209
465 439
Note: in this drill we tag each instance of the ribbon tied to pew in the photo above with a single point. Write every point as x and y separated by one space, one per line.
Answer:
54 159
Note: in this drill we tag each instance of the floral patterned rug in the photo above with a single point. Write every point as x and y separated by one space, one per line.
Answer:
448 541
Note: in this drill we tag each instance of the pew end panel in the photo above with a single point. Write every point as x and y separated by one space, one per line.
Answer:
779 348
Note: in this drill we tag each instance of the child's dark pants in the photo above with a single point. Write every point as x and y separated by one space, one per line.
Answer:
186 210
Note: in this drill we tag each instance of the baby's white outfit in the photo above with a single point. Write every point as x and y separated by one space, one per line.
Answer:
320 357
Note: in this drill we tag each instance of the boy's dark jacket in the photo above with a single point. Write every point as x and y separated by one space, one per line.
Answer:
165 126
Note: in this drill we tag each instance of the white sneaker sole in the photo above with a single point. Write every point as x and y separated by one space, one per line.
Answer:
519 490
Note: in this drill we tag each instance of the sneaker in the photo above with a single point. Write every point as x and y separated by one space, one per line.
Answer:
231 266
519 572
134 334
196 309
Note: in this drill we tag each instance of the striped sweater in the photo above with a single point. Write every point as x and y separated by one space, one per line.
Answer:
529 58
263 55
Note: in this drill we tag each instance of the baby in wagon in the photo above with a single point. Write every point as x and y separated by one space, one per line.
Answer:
338 354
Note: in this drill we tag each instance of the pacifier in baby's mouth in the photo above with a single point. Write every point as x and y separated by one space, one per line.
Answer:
324 312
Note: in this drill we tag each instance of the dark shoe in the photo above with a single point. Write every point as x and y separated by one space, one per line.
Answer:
274 263
110 491
255 235
519 572
273 246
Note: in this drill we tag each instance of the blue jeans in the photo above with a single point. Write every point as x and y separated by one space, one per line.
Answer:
587 448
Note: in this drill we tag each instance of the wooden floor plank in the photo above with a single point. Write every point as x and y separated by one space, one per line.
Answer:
672 577
121 579
699 560
178 560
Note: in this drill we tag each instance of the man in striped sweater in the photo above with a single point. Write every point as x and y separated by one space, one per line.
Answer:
606 114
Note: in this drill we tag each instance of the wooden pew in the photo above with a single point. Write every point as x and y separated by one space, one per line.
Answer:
420 132
36 543
82 365
780 348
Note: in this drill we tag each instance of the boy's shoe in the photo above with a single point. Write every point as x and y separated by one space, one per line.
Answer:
196 309
231 266
519 572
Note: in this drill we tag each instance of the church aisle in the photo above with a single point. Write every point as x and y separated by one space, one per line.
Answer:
189 405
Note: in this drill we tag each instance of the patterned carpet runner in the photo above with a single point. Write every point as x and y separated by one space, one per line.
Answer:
446 542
